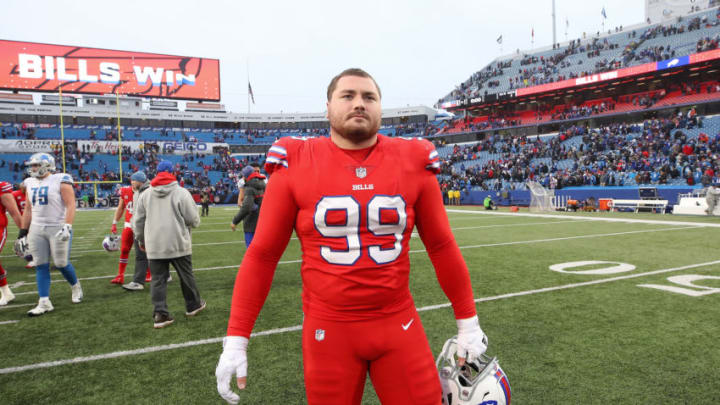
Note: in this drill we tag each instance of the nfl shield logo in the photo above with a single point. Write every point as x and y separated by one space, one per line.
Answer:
319 335
361 172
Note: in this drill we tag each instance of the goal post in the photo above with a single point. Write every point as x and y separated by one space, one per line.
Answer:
541 199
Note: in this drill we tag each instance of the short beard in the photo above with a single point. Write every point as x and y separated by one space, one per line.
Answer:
356 135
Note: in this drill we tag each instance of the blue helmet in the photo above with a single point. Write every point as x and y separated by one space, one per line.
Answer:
40 164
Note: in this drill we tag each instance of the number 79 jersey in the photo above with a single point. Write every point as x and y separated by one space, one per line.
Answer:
355 219
45 200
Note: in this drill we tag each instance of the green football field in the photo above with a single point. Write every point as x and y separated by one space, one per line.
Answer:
636 322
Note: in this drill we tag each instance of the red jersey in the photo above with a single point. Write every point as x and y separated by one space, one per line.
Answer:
19 200
126 193
354 213
5 188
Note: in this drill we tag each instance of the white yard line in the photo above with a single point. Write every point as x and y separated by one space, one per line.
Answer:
60 280
567 220
17 306
152 349
586 218
8 322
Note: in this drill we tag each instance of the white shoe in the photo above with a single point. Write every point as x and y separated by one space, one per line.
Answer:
6 298
44 305
77 293
133 286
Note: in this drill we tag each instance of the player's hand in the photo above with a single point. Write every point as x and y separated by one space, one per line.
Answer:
63 234
233 226
472 342
113 229
21 247
141 246
233 360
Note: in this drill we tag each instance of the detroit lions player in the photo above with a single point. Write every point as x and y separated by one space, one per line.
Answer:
52 201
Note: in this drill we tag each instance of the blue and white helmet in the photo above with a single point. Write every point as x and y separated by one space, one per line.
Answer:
45 164
111 243
480 382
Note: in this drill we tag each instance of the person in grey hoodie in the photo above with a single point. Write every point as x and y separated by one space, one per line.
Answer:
162 220
250 209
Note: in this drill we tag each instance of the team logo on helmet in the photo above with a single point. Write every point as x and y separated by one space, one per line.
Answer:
111 243
481 381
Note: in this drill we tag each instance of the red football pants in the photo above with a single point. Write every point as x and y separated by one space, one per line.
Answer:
337 357
3 238
127 240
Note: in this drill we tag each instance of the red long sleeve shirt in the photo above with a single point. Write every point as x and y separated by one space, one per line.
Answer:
354 216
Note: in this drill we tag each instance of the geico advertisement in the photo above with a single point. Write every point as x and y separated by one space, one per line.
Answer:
43 67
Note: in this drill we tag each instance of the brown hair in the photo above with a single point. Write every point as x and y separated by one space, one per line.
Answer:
350 72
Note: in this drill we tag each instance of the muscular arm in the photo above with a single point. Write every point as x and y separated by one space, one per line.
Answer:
450 268
8 201
120 210
254 278
68 196
27 214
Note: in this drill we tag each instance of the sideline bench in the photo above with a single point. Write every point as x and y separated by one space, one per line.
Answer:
637 204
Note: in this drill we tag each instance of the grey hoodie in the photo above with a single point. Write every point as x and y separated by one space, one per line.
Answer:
162 221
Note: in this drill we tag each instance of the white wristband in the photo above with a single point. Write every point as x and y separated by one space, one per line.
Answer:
468 324
235 343
114 222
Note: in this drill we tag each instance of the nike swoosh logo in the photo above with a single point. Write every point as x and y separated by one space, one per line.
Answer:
405 326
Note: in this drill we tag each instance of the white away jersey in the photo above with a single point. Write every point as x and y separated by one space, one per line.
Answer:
43 195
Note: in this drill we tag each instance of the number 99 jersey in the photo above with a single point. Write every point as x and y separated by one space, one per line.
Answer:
356 213
45 200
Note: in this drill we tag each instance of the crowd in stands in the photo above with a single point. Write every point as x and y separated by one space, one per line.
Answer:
656 151
540 68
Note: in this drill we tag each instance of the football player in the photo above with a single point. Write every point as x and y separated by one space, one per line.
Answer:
7 202
353 200
49 217
127 239
19 196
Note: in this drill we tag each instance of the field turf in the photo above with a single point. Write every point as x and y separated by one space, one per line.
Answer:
561 337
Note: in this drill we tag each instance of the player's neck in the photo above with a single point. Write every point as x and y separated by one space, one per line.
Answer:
344 143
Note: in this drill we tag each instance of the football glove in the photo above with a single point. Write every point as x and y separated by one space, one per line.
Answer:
233 360
63 234
471 340
113 229
21 247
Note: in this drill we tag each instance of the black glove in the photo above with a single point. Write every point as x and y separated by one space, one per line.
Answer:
23 233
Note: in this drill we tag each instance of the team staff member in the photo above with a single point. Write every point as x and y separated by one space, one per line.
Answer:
353 200
163 217
50 217
142 274
250 209
7 202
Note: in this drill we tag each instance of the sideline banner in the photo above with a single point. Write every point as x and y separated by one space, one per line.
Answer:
29 146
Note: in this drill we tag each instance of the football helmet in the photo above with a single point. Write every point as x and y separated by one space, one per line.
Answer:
111 243
478 382
40 164
22 249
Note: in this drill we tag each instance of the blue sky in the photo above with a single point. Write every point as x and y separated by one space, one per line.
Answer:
418 50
